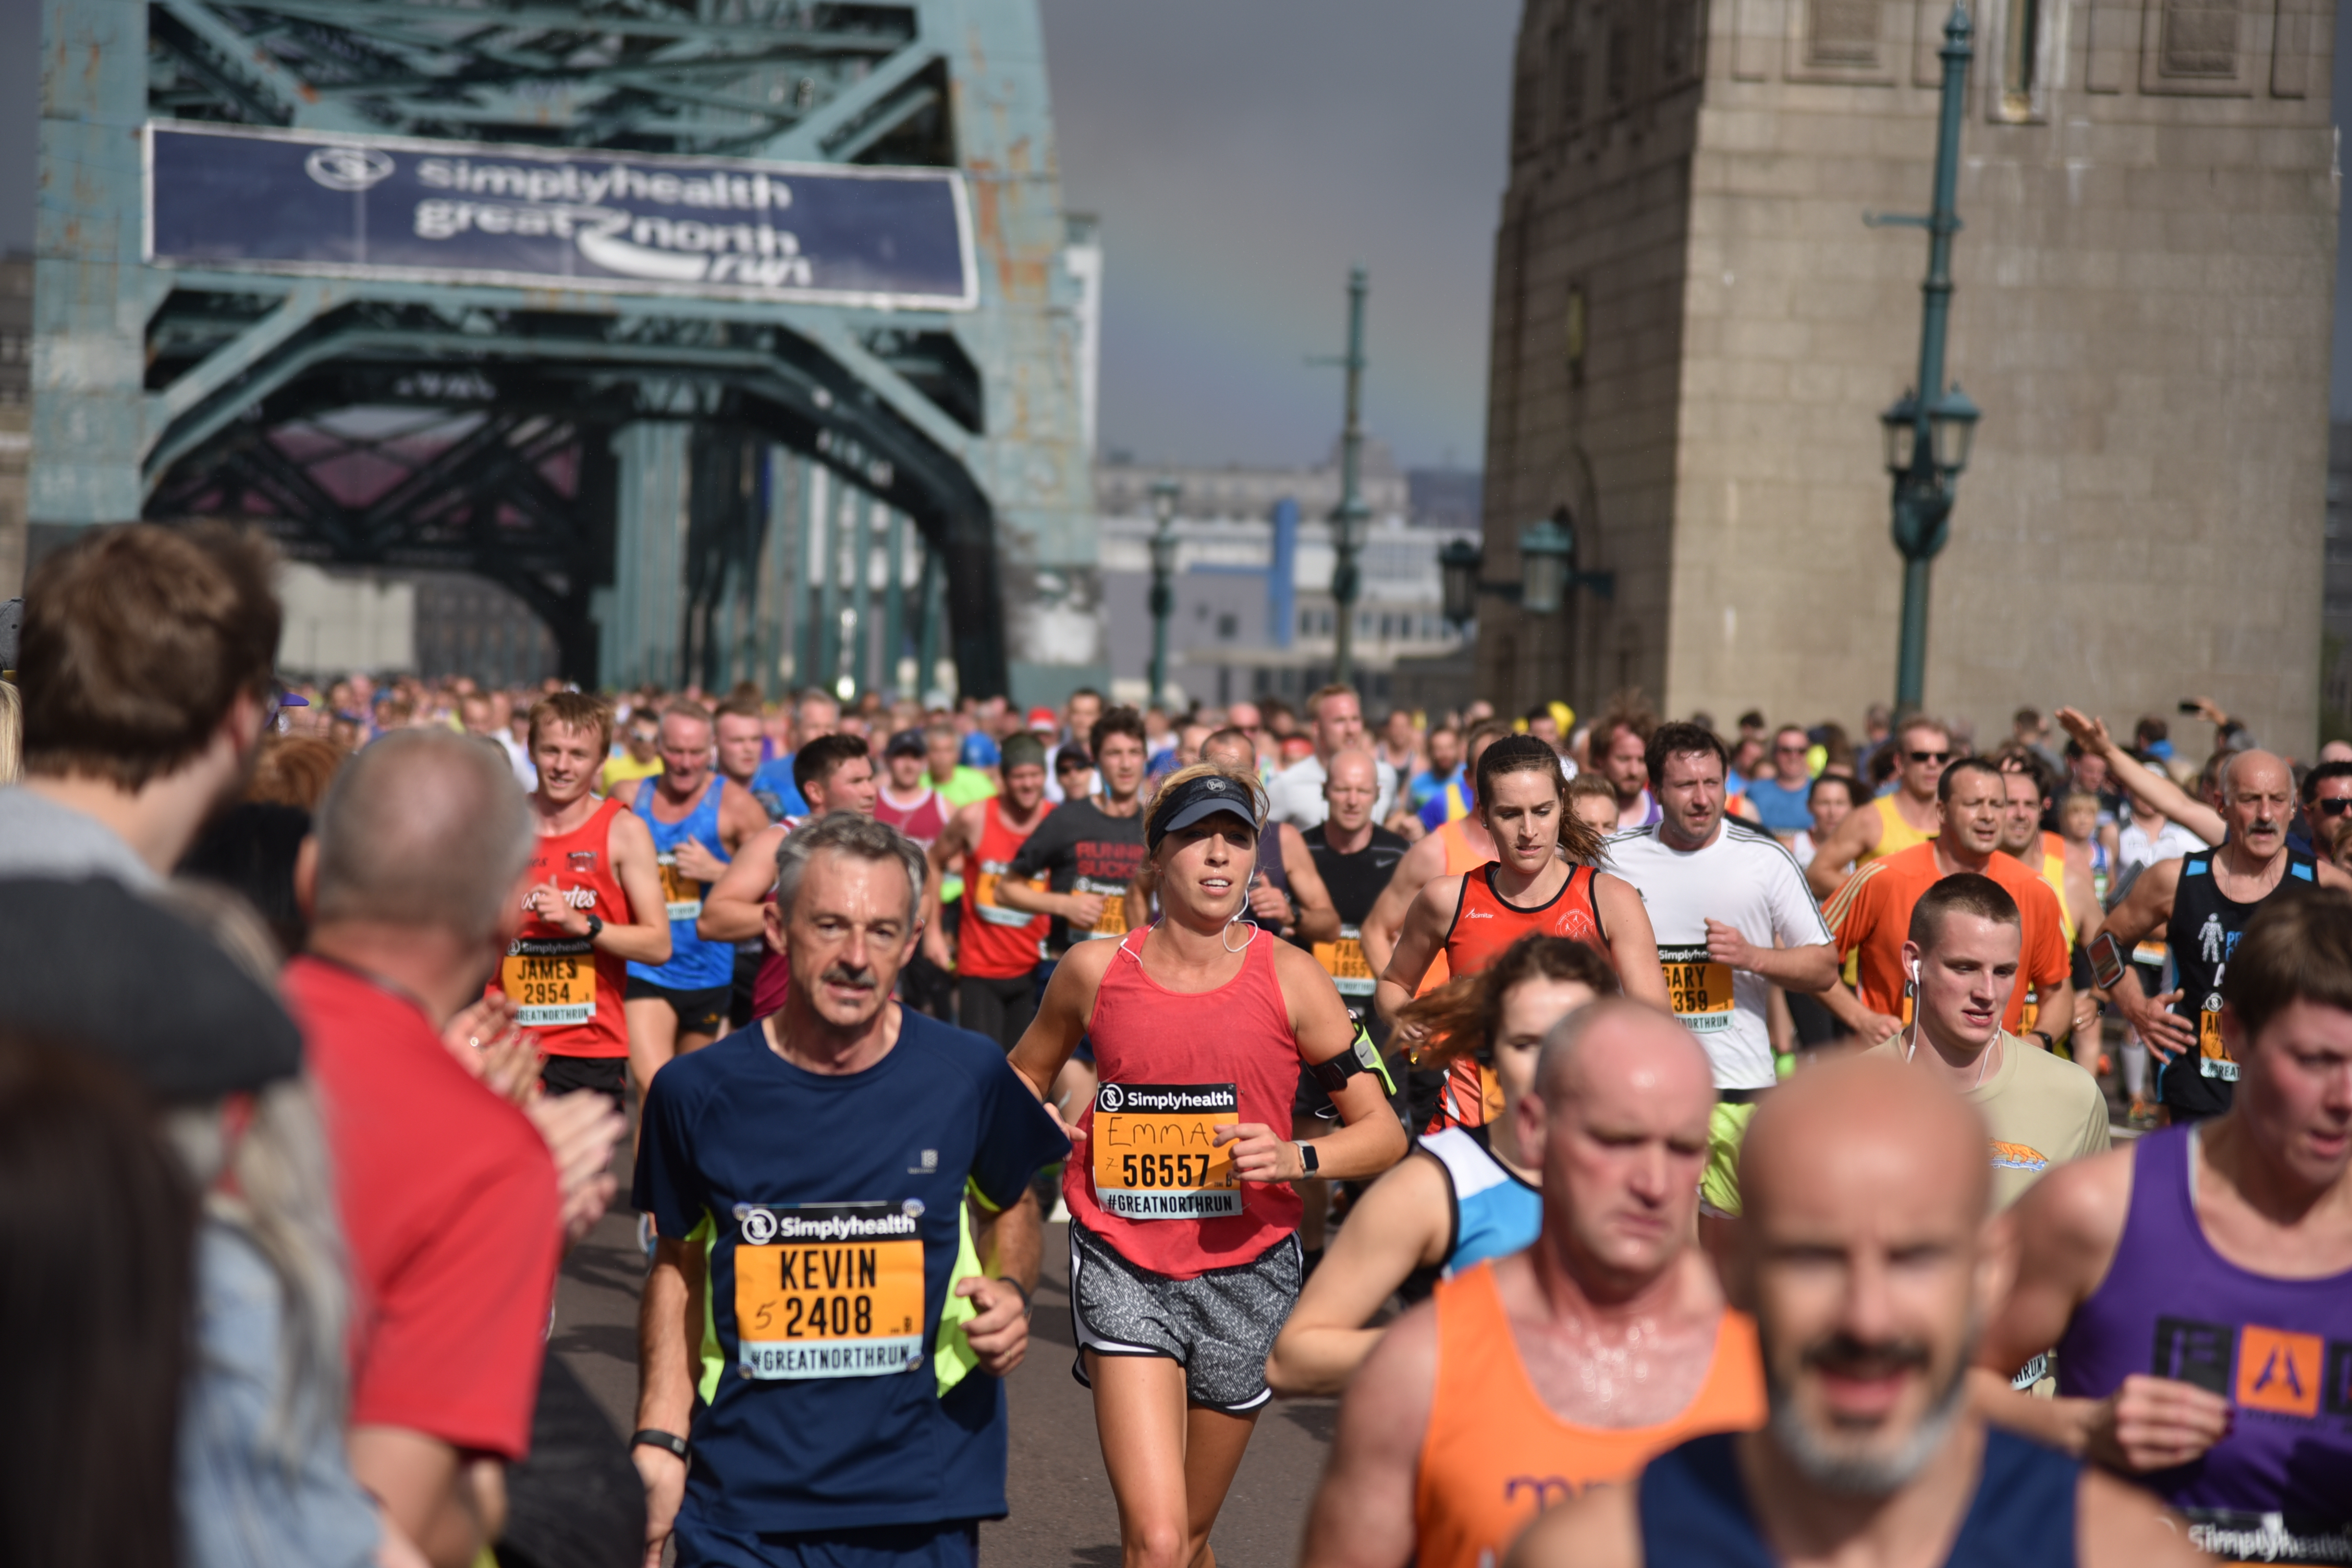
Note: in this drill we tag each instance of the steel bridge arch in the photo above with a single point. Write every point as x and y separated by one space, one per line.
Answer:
968 424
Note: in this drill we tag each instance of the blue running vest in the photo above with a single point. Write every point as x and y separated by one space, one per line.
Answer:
693 965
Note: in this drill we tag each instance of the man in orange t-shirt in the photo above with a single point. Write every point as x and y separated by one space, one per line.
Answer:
1871 914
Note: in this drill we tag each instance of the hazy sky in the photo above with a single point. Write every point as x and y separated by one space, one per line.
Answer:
1242 156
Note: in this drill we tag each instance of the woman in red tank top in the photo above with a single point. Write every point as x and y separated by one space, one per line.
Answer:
1545 877
1183 1259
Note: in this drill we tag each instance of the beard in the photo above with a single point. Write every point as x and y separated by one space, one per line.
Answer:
1830 1460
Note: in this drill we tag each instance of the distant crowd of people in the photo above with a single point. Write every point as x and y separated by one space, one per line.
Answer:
1673 1142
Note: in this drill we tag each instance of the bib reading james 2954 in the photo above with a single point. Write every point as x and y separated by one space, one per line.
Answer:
1155 1154
828 1289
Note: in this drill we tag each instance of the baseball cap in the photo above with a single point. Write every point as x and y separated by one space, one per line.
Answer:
1043 718
906 743
1198 797
182 1018
1023 751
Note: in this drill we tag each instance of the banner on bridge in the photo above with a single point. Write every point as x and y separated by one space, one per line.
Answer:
331 204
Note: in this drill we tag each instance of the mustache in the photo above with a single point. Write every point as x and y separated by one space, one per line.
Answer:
847 975
1844 1354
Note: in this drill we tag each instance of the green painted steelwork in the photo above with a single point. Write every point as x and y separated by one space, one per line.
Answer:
618 461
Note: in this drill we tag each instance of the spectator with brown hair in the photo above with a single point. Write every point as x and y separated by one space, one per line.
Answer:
146 681
293 770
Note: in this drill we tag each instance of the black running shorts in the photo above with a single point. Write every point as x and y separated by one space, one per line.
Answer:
701 1012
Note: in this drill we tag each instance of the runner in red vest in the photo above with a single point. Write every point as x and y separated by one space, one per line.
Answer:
1183 1257
1543 879
594 904
994 952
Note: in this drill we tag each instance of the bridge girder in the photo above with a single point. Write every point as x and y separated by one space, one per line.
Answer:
166 392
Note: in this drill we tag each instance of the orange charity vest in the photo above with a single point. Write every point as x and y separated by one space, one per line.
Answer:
1494 1455
1460 860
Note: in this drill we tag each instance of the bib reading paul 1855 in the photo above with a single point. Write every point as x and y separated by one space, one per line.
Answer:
829 1290
1155 1154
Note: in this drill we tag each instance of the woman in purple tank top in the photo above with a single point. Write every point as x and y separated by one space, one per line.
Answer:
2197 1288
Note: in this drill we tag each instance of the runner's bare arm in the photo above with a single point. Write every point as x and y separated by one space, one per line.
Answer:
644 937
1080 909
740 818
1808 969
2118 1525
1601 1529
669 1323
1848 1009
2334 876
1009 1244
1062 1014
2145 912
1369 1139
1386 921
732 909
962 831
1362 1515
2082 902
1417 944
2068 1227
1319 920
2137 776
1398 1226
1857 836
1633 945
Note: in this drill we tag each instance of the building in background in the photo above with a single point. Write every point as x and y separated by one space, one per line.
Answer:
2336 612
1253 613
346 619
1694 334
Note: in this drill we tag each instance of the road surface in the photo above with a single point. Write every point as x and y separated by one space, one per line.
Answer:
1062 1515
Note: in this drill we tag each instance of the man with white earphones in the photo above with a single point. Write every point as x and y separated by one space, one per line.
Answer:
1961 959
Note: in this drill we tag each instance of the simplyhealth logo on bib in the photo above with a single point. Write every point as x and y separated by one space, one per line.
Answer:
328 204
829 1290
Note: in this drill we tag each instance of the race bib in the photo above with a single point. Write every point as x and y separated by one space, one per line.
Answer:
1343 960
1155 1154
1112 922
552 981
984 896
828 1289
1698 987
681 893
2152 953
2213 1058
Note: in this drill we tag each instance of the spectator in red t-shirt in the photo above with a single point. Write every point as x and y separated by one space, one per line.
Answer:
449 1196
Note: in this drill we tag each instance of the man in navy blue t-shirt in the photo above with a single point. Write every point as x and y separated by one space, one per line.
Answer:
846 1250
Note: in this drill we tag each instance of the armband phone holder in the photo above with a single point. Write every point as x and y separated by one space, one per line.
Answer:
1361 1057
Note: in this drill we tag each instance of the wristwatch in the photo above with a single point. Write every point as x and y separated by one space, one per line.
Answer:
1306 1156
651 1437
595 927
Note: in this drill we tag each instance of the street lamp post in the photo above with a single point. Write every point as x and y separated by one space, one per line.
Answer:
1349 517
1928 436
1546 571
1164 571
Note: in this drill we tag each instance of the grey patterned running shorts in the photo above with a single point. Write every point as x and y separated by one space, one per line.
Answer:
1219 1327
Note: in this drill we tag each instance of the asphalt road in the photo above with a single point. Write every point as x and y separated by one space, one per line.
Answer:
1063 1516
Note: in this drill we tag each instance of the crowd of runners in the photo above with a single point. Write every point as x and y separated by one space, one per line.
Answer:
1673 1142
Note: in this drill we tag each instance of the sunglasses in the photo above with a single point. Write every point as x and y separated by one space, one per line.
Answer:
2333 805
1929 756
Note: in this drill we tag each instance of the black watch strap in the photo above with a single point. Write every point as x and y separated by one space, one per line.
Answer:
651 1438
595 927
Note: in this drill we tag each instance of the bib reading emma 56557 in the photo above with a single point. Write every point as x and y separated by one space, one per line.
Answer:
1155 1154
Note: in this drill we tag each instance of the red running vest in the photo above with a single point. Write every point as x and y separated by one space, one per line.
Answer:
1173 1065
993 942
570 992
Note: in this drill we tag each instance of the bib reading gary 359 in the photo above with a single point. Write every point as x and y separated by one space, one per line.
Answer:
829 1290
1155 1154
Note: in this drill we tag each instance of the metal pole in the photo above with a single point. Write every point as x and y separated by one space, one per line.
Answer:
825 543
894 608
1922 503
1348 520
930 617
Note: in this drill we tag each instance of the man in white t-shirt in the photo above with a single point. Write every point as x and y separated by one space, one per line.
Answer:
1734 918
1336 716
